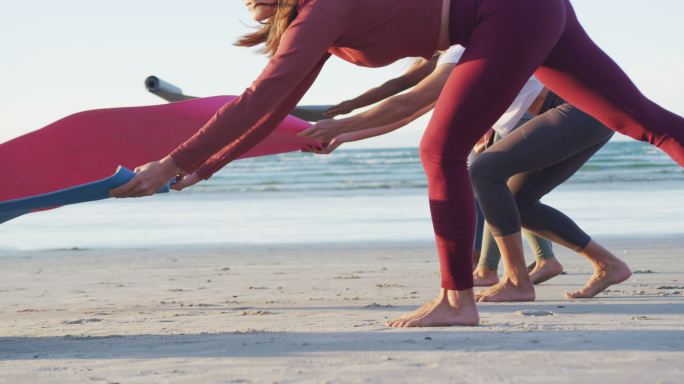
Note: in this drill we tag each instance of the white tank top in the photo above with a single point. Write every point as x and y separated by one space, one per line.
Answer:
520 105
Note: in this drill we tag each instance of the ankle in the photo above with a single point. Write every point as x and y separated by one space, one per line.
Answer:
608 264
548 263
517 279
476 256
598 255
458 299
484 271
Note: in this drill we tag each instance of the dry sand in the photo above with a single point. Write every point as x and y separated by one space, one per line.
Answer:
315 313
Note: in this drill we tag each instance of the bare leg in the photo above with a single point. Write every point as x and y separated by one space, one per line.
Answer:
608 270
450 308
545 269
476 256
516 284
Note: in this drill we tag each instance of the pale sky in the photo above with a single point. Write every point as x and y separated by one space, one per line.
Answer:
61 57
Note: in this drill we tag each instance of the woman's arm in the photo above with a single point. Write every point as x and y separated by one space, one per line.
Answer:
419 70
396 110
537 104
242 123
348 137
240 146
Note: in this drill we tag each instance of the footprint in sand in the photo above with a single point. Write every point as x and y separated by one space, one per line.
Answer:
530 312
81 321
346 277
256 313
249 331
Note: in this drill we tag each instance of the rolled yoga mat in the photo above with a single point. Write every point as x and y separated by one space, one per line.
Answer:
172 93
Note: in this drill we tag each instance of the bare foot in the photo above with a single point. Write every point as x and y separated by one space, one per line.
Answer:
605 275
545 270
418 312
506 290
485 277
450 308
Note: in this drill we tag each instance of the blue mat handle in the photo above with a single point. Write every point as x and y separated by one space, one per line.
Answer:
97 190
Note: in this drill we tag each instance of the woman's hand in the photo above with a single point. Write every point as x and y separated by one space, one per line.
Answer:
342 108
185 181
149 179
325 149
324 131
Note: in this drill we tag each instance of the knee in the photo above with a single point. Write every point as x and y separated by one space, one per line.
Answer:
526 206
480 174
434 158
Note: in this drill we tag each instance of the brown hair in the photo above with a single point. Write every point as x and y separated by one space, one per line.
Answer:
270 32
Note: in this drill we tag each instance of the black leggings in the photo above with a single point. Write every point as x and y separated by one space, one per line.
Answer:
533 160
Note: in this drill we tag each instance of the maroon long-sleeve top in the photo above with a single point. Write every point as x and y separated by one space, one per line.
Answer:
370 33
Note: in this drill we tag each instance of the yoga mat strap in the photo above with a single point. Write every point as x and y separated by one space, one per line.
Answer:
97 190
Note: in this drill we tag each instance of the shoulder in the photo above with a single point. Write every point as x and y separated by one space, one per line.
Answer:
303 5
325 11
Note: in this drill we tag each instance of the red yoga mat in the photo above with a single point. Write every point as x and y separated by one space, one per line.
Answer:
89 146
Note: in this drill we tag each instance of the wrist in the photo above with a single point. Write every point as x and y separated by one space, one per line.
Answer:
344 138
169 166
203 173
349 124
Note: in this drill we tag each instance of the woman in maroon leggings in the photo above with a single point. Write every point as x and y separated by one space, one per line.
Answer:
507 42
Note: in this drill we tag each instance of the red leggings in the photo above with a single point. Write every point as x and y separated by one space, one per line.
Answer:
507 42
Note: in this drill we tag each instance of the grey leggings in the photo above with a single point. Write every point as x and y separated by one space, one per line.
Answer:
533 160
490 256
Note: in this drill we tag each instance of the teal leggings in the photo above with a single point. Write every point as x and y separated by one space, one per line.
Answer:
490 254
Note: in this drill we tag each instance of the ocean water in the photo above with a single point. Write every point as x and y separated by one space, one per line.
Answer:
628 188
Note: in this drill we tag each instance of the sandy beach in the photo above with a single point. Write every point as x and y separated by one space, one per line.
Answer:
315 313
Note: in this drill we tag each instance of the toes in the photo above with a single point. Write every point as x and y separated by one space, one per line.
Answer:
482 296
403 323
394 323
416 322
